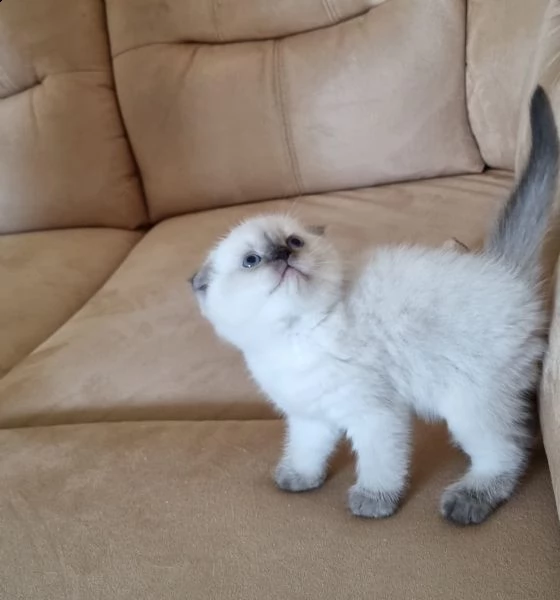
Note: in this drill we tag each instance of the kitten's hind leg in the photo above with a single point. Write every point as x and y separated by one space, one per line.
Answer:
308 445
497 445
381 441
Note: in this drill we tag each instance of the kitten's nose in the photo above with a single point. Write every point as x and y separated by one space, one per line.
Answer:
280 253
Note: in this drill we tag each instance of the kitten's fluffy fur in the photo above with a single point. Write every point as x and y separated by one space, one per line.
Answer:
441 333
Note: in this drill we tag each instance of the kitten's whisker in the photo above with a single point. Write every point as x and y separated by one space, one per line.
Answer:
292 211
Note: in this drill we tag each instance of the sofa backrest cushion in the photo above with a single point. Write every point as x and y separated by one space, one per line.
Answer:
234 101
546 71
501 43
64 156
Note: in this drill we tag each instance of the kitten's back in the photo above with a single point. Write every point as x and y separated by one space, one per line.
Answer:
435 301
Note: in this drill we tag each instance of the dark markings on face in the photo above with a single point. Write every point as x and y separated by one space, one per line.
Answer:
201 280
278 252
276 248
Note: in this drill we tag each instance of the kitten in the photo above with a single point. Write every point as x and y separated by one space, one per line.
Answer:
441 333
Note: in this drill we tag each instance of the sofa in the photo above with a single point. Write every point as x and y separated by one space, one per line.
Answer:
135 452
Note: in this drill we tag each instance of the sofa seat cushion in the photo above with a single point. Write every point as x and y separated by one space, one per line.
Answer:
46 277
140 511
140 350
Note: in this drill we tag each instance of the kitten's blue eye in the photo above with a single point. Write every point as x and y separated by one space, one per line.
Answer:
295 243
251 261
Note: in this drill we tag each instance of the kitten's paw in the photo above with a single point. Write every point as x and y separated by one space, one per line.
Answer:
370 504
289 480
465 506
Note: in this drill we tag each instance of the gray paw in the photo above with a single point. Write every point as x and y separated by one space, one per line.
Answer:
291 481
465 506
376 505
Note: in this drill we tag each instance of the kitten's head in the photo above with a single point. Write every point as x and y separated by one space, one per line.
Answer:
268 273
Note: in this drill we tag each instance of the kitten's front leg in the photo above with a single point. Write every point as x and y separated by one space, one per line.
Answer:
309 444
381 441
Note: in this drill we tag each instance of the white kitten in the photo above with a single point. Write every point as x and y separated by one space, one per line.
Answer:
441 333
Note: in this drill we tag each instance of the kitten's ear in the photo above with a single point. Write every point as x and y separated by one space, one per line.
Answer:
317 229
201 279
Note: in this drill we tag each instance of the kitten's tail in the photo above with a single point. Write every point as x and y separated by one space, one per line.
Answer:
523 223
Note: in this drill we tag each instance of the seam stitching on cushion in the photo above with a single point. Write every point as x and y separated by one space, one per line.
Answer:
20 92
281 95
137 173
327 7
49 76
330 10
469 86
216 5
337 14
7 81
245 40
340 18
75 72
29 425
33 111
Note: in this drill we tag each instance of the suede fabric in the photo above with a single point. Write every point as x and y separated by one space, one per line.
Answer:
501 43
120 114
46 277
188 510
135 23
64 157
545 70
368 100
549 406
140 349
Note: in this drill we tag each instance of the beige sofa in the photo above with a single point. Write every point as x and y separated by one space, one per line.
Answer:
135 453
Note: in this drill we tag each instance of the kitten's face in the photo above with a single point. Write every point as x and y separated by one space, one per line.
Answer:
265 274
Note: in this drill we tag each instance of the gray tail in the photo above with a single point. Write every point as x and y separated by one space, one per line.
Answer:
518 235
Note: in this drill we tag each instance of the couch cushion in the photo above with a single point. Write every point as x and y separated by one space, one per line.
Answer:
550 397
64 159
139 349
132 21
501 41
46 277
188 510
545 70
375 98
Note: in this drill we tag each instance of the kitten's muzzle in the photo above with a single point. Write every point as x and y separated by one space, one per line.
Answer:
281 253
284 259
